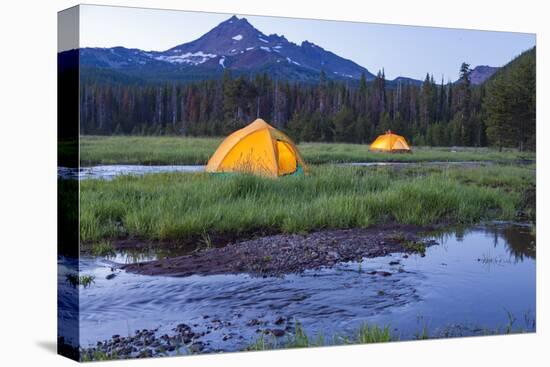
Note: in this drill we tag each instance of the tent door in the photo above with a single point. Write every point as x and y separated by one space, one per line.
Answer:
287 159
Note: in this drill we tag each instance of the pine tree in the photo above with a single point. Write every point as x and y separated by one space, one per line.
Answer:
510 104
463 134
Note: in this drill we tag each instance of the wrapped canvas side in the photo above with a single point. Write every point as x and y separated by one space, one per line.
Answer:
67 186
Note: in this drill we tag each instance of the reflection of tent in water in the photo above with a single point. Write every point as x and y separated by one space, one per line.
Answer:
258 148
390 142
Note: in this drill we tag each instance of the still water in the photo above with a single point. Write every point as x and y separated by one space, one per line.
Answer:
108 172
467 285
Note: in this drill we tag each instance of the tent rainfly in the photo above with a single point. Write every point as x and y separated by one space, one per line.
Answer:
259 149
390 142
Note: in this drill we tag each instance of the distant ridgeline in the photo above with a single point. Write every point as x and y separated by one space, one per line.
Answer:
304 90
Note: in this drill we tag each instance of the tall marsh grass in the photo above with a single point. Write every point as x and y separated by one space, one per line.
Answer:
182 205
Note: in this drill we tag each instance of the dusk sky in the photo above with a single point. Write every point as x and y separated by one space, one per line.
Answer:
400 50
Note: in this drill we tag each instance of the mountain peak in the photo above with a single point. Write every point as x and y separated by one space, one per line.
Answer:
481 73
238 45
236 22
227 37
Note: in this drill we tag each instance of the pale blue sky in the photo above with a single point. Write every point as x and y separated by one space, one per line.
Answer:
401 50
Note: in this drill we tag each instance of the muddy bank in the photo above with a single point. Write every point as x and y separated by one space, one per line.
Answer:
174 248
280 254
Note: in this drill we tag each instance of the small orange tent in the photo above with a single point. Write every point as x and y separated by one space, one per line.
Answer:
258 148
390 142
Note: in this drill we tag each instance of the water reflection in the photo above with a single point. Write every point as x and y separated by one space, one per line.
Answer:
67 245
450 289
152 252
109 172
517 239
520 242
68 308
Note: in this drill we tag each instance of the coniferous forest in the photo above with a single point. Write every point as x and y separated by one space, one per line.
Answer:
499 113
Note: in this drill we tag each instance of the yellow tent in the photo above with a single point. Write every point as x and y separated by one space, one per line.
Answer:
390 142
258 148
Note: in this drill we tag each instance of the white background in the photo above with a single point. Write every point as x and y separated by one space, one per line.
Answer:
28 181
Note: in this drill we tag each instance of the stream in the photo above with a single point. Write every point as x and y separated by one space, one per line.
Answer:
469 284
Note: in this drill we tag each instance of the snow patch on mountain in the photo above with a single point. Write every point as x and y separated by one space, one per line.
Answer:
290 61
192 58
238 37
265 48
222 62
263 40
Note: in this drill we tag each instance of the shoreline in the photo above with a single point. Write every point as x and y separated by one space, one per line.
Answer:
281 254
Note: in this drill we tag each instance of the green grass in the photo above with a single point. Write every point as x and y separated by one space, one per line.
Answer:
366 334
146 150
193 205
325 153
506 176
84 280
373 334
178 150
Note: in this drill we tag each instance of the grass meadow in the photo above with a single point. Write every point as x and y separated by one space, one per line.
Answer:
177 206
150 150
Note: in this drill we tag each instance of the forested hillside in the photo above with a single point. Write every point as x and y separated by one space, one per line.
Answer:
500 112
510 104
